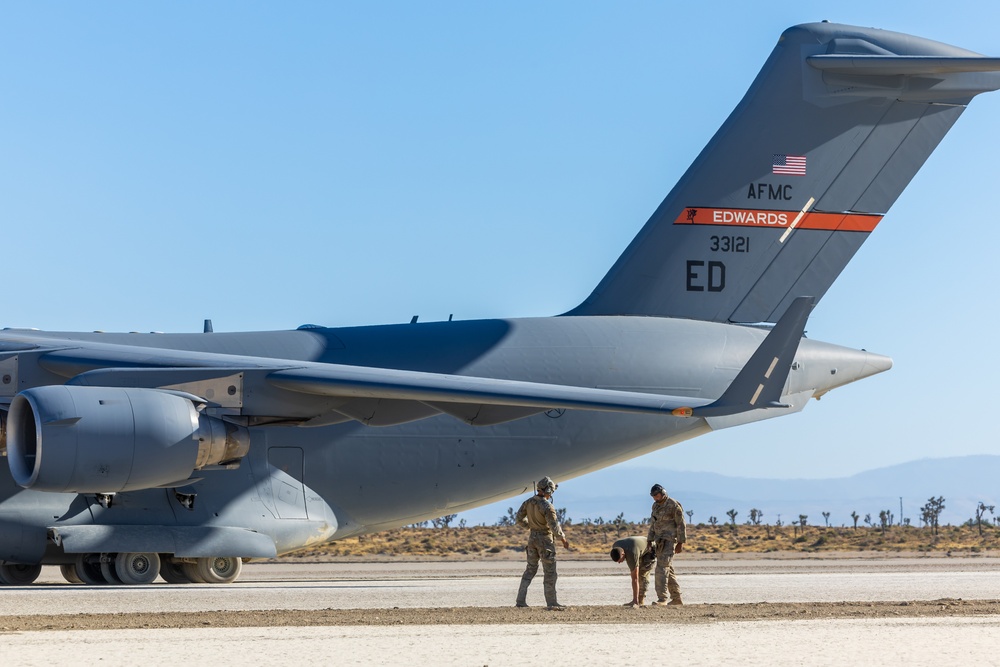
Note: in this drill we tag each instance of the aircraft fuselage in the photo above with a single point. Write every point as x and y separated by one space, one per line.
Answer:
302 485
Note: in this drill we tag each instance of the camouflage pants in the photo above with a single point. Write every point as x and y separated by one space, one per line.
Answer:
646 562
666 580
540 548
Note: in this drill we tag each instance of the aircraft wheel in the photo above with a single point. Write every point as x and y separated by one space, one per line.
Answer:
220 569
191 572
108 569
19 574
88 569
137 568
173 572
69 573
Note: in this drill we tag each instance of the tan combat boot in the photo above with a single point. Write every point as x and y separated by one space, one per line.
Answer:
675 602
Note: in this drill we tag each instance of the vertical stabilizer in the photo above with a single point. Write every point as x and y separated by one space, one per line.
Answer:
835 125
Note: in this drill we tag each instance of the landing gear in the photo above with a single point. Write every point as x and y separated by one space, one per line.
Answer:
69 573
18 574
142 568
88 569
217 570
108 569
172 571
137 568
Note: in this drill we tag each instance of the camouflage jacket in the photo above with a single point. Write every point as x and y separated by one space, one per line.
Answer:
537 513
667 522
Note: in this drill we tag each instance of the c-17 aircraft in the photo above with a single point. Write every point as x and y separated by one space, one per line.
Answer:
133 455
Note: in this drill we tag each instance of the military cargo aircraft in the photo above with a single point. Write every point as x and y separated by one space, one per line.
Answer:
181 455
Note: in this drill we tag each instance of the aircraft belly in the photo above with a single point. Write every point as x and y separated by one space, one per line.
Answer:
378 478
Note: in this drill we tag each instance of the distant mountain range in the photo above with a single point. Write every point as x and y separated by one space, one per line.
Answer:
964 482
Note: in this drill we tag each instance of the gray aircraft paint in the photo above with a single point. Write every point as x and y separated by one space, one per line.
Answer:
360 429
862 137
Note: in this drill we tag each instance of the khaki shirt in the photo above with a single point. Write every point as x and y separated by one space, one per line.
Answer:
667 522
633 548
538 514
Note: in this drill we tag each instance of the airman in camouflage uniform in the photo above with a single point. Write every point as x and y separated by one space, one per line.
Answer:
538 515
668 530
636 554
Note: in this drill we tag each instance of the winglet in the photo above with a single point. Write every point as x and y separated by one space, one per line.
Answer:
759 383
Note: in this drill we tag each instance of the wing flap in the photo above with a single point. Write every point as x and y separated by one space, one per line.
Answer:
440 390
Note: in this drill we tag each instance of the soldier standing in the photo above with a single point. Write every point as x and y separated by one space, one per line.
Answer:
667 529
538 515
636 554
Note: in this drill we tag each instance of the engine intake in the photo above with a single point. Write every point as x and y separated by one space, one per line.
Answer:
109 439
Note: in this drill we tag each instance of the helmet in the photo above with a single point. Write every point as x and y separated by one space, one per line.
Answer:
656 489
546 485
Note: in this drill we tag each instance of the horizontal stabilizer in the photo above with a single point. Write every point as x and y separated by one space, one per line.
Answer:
875 65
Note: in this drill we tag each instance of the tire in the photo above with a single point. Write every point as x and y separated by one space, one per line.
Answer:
88 569
219 569
69 573
137 568
191 572
108 569
173 572
18 574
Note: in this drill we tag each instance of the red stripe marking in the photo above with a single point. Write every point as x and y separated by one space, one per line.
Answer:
738 217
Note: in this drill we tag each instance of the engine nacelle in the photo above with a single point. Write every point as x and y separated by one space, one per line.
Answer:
108 439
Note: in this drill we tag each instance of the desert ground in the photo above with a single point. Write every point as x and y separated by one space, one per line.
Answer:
775 609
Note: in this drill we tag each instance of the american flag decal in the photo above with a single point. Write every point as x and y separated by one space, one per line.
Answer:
792 165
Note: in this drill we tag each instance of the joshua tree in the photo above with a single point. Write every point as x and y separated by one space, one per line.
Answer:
619 523
712 520
885 520
855 516
690 514
868 520
931 512
732 518
980 511
755 516
802 522
562 518
826 519
507 520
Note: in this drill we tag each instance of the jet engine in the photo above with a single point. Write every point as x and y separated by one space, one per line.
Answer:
109 439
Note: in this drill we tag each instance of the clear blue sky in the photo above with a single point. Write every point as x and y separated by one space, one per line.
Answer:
271 164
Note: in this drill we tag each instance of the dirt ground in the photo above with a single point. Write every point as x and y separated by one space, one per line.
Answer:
703 540
689 614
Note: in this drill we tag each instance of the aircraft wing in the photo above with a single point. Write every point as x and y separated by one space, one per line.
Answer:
266 390
476 400
481 401
319 394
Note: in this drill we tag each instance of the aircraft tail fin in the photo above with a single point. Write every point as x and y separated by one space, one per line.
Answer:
835 125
